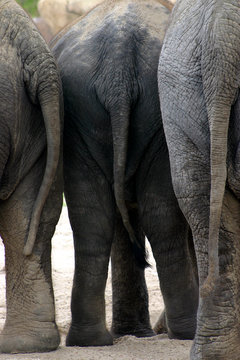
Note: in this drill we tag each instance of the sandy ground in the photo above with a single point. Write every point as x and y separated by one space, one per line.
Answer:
126 348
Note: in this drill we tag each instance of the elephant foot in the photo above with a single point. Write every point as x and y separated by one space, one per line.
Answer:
187 333
183 329
161 327
134 331
215 350
42 338
218 330
88 336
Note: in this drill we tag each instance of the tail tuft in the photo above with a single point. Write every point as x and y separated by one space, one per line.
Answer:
140 255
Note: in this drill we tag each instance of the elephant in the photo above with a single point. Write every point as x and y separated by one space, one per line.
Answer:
199 81
116 172
31 184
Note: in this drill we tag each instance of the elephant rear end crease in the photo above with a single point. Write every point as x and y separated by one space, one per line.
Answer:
30 180
116 171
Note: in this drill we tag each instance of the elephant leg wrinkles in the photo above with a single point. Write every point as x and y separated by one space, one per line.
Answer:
222 306
30 320
219 313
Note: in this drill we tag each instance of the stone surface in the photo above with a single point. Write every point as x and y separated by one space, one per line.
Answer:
44 28
59 13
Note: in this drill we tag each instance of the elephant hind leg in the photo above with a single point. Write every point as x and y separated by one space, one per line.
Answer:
91 211
219 313
130 296
168 234
30 321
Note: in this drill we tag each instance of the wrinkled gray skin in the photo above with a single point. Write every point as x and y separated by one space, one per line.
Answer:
30 180
115 153
199 78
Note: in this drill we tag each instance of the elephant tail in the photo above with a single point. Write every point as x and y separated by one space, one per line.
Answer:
51 111
120 126
43 87
219 121
220 86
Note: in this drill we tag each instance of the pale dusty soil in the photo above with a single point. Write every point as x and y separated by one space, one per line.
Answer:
128 347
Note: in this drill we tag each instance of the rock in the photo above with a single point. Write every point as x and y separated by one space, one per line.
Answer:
59 13
44 28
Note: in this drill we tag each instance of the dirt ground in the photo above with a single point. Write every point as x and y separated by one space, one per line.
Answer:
126 348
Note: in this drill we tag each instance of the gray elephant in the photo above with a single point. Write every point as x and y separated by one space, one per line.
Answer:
199 79
117 176
30 180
